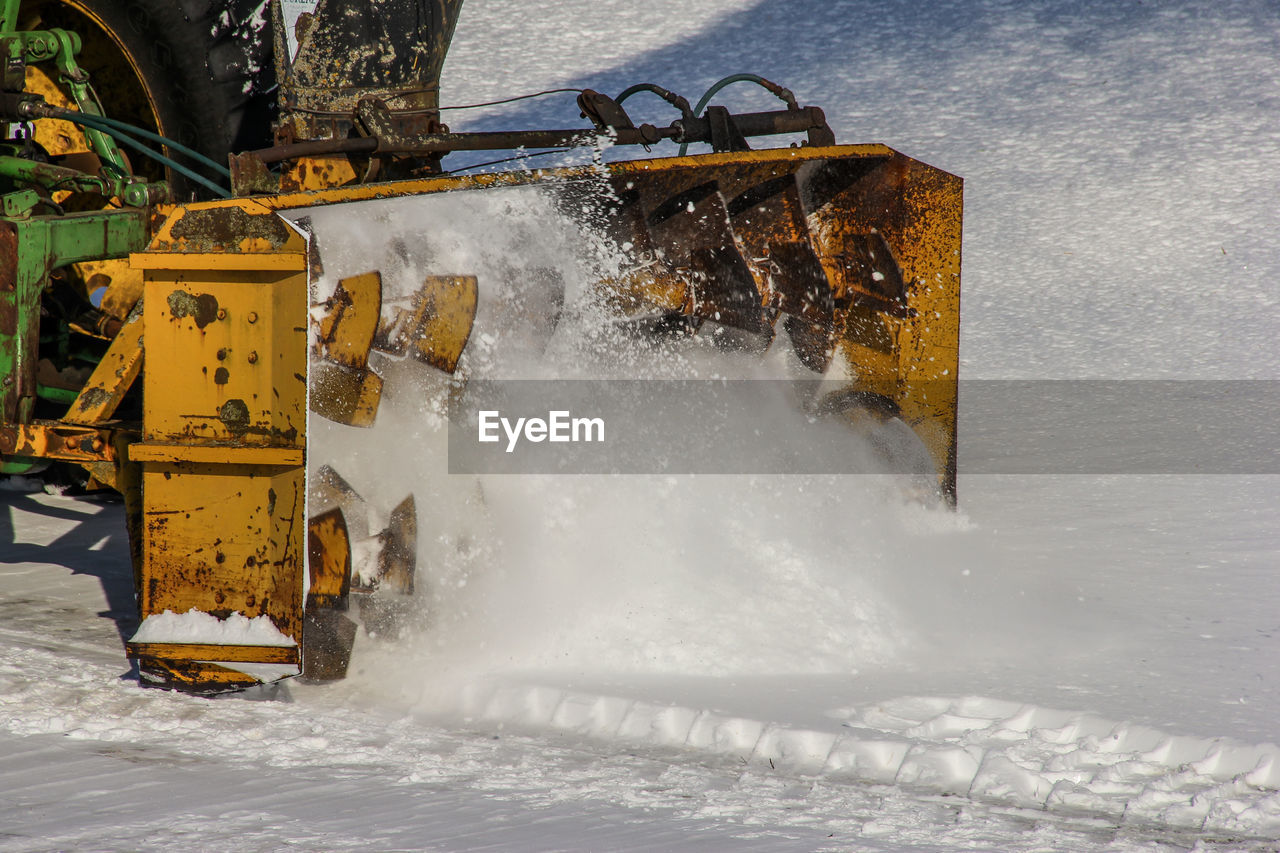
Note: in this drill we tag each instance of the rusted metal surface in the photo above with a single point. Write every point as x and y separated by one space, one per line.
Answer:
200 677
57 440
24 267
209 453
316 173
352 49
249 175
202 308
8 263
226 229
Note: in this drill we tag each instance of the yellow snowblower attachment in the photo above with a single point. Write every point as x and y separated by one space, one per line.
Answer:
847 255
343 259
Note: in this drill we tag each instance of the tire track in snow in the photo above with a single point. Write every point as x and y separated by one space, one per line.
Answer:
991 751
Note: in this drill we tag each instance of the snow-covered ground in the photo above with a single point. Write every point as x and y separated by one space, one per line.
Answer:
1067 663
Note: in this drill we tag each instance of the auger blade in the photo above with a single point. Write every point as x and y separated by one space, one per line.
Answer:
345 395
343 558
872 275
385 561
768 220
799 285
328 637
384 580
437 325
692 231
344 388
328 560
399 549
327 634
351 319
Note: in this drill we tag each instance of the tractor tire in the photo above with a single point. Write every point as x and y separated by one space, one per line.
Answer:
196 72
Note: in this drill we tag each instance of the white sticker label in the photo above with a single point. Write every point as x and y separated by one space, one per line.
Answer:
292 10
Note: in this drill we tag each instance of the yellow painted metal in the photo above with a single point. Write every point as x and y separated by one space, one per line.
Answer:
161 666
399 189
56 136
228 454
226 312
345 395
220 360
223 538
912 356
121 284
233 226
316 173
275 262
212 653
224 430
645 288
112 377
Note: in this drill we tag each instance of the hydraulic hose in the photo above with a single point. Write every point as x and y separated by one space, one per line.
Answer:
667 95
123 133
784 94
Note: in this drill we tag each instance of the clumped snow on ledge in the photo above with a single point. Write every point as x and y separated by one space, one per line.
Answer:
195 626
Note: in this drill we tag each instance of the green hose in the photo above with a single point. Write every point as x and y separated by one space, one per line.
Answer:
121 133
133 130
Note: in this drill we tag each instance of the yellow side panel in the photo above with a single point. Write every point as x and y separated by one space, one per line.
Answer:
226 355
224 429
224 539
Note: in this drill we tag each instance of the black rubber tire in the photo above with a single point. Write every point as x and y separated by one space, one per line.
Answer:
196 71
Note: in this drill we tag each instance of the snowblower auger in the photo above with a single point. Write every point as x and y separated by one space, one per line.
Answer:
249 549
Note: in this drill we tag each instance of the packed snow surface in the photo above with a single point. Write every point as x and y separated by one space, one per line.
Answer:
1068 663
